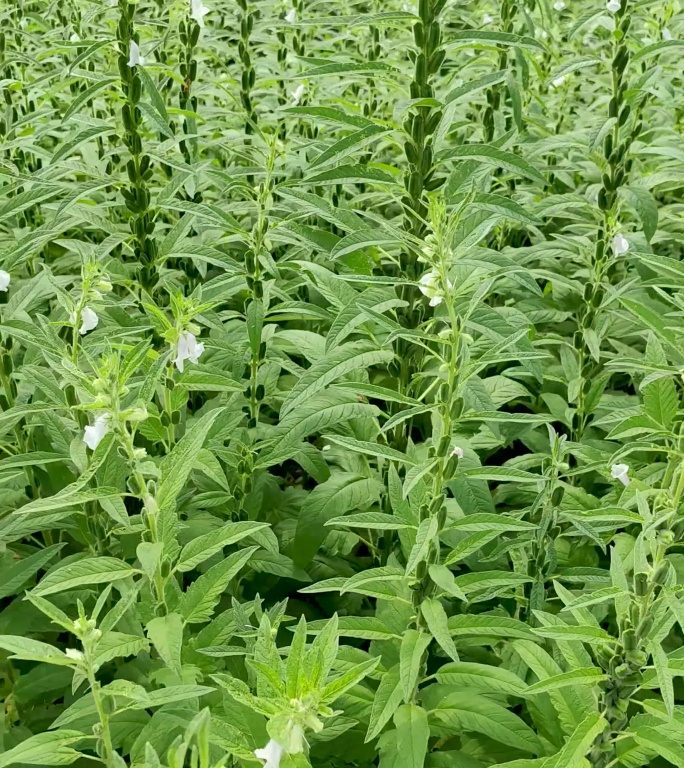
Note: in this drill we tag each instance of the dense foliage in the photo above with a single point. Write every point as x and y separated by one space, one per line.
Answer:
341 414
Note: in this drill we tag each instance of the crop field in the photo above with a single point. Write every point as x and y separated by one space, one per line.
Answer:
341 376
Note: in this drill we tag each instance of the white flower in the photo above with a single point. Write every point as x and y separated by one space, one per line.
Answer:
187 348
73 653
487 19
75 38
457 451
620 472
613 5
198 11
134 56
559 5
297 94
326 448
619 244
558 81
291 16
92 436
89 320
4 280
430 287
271 753
667 35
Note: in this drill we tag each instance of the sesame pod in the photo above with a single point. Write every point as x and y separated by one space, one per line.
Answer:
418 33
661 574
433 122
443 445
640 584
557 495
436 61
629 640
645 626
434 184
136 90
437 503
411 152
194 35
608 145
624 114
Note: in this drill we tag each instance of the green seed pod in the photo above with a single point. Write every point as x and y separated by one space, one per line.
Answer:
136 91
557 495
645 627
640 584
603 200
629 640
624 114
661 574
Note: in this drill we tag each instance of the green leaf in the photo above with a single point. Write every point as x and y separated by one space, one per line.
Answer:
341 493
588 676
338 68
387 698
482 37
198 602
413 732
499 158
413 647
369 449
461 712
437 622
166 635
660 744
480 677
85 96
50 748
339 362
176 468
348 144
204 547
13 577
90 570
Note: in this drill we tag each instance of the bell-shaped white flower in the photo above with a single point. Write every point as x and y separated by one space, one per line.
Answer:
92 435
198 11
487 19
271 753
619 244
457 451
667 35
75 38
613 5
297 94
559 5
4 280
620 472
74 654
291 16
429 285
134 57
89 320
187 348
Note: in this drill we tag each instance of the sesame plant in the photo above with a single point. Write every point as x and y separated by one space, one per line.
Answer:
341 376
